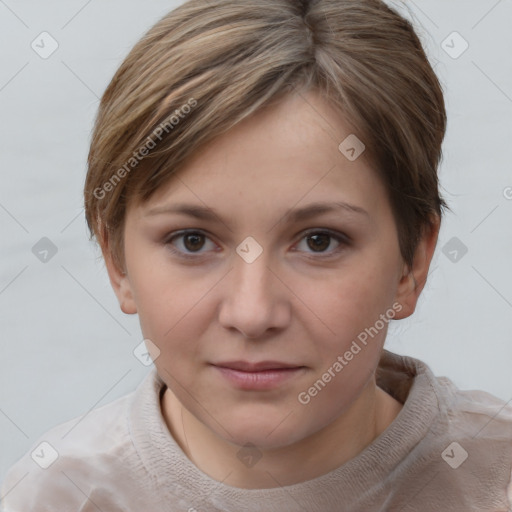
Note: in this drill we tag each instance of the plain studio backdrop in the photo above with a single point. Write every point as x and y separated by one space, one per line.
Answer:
66 347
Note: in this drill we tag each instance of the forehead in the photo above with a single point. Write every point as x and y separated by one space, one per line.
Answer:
286 154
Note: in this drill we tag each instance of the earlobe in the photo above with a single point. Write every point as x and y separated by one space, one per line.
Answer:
413 279
121 285
126 301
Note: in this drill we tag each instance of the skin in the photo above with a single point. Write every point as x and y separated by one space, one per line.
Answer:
297 302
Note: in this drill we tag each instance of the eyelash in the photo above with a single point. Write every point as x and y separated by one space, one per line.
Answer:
342 239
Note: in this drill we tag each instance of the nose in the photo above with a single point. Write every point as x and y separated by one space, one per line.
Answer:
255 300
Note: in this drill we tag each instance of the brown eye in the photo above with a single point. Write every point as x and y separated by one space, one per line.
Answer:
193 241
189 244
319 242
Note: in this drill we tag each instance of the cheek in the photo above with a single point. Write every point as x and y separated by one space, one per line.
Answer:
346 357
174 311
164 294
353 301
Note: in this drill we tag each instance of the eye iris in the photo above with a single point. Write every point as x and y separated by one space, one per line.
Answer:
319 241
194 237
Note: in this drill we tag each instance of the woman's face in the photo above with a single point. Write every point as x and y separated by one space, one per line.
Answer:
250 293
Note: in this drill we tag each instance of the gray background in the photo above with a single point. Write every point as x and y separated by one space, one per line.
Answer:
65 345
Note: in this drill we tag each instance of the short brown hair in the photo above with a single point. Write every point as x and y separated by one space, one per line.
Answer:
227 59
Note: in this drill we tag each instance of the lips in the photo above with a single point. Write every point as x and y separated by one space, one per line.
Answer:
245 366
258 376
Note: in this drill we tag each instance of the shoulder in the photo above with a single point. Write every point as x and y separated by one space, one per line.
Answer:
405 377
472 443
64 467
462 439
475 409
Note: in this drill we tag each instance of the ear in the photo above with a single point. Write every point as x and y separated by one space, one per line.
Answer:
413 279
120 283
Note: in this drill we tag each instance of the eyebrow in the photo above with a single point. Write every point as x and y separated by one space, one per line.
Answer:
291 215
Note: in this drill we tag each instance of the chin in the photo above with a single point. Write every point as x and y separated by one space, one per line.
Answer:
266 431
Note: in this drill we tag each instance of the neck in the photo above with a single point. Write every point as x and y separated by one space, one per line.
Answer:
367 417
